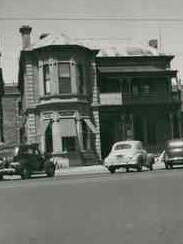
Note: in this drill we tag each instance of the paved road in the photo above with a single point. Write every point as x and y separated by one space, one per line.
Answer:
128 208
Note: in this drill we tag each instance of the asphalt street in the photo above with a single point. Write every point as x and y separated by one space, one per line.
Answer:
145 207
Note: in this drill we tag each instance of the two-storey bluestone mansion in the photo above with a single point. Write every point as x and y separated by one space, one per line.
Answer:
77 99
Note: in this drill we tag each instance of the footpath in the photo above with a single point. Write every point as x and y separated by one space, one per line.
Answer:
86 170
93 169
81 170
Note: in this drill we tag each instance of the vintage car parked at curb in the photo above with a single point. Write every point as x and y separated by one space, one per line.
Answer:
173 153
28 160
128 154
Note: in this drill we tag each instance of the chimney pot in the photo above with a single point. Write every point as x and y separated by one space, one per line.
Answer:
25 31
153 43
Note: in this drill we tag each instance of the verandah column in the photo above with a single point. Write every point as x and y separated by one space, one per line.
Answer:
95 105
79 130
56 136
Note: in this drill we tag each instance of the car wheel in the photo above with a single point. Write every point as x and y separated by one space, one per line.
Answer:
112 169
50 171
151 162
139 164
127 169
151 167
166 166
49 168
25 174
171 166
1 177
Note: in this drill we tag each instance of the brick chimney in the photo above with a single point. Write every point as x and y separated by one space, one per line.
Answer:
153 43
25 31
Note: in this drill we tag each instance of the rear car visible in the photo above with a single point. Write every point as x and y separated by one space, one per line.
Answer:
128 154
173 154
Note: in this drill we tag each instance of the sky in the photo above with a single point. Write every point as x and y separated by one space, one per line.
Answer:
123 20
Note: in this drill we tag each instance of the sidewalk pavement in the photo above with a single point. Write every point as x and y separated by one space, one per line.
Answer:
93 169
81 170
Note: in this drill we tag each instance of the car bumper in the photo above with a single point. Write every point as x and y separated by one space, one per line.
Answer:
121 164
175 160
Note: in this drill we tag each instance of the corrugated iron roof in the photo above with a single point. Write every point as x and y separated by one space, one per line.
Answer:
106 48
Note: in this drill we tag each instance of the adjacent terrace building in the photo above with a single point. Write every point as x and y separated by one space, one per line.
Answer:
139 99
11 118
78 98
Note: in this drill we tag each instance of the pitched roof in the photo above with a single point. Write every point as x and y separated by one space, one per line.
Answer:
106 48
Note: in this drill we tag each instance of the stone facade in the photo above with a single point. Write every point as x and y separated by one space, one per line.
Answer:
56 84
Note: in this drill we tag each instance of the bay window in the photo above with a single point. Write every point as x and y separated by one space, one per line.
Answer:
64 77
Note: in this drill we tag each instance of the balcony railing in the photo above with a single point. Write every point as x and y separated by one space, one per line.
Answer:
150 97
140 98
110 99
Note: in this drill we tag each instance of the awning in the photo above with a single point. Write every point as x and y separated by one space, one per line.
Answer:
67 127
90 125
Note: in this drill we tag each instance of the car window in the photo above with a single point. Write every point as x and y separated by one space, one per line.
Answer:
122 147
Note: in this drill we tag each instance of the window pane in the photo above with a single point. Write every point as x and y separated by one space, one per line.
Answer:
64 85
46 73
64 69
80 78
47 87
46 79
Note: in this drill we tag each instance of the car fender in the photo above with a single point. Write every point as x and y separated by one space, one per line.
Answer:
136 157
150 159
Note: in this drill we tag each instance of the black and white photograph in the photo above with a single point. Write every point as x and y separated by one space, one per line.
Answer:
91 122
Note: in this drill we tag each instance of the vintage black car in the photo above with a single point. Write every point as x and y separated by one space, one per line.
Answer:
173 153
28 160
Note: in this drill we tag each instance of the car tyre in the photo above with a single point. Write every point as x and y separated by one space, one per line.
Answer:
151 162
139 164
166 166
1 177
171 166
151 167
50 171
25 174
112 169
127 169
